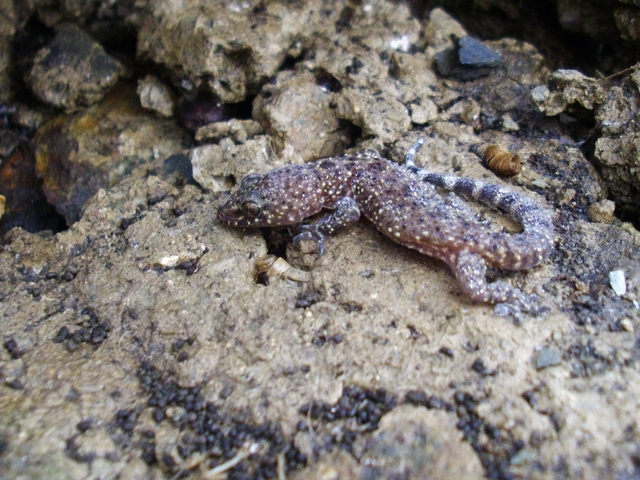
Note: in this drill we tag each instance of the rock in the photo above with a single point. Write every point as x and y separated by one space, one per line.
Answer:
613 24
5 81
156 96
55 13
547 357
468 60
376 113
73 71
78 155
602 211
14 15
440 29
617 148
231 49
627 20
203 110
419 443
237 130
365 95
411 442
567 87
25 205
417 84
618 282
423 113
293 106
218 167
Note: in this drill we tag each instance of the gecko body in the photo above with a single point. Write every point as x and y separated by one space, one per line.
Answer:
403 203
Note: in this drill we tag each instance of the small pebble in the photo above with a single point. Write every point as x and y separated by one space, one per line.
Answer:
470 59
156 96
474 54
602 211
547 357
618 282
626 324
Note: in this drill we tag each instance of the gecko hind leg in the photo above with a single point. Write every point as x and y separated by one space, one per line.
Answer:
470 270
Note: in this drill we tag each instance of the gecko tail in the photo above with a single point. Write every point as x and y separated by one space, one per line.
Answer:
536 221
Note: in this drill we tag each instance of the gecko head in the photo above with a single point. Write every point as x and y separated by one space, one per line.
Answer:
283 197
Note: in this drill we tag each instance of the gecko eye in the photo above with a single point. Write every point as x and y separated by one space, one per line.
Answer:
250 208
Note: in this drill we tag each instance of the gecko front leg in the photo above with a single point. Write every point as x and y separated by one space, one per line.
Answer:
345 213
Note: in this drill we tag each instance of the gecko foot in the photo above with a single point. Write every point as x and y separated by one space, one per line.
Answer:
307 239
528 304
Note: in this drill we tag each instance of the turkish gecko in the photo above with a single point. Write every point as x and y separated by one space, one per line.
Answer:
403 203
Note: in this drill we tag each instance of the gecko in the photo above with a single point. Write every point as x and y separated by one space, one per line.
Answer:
402 202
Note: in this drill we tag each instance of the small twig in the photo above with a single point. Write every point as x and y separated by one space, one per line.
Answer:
218 470
622 72
282 464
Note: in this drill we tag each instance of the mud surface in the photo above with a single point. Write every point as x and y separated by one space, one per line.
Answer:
142 341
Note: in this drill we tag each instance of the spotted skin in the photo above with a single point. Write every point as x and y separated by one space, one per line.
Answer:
403 203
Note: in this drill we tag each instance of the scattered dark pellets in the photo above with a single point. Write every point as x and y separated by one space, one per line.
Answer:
149 453
14 384
178 344
529 396
189 266
168 460
479 367
73 452
84 425
218 435
360 410
446 351
306 299
492 431
182 356
11 346
62 335
126 420
91 331
414 334
158 415
319 340
127 222
496 454
416 397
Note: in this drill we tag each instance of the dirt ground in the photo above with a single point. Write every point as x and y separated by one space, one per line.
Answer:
142 342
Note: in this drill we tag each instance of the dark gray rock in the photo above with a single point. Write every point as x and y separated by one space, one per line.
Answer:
468 60
73 71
